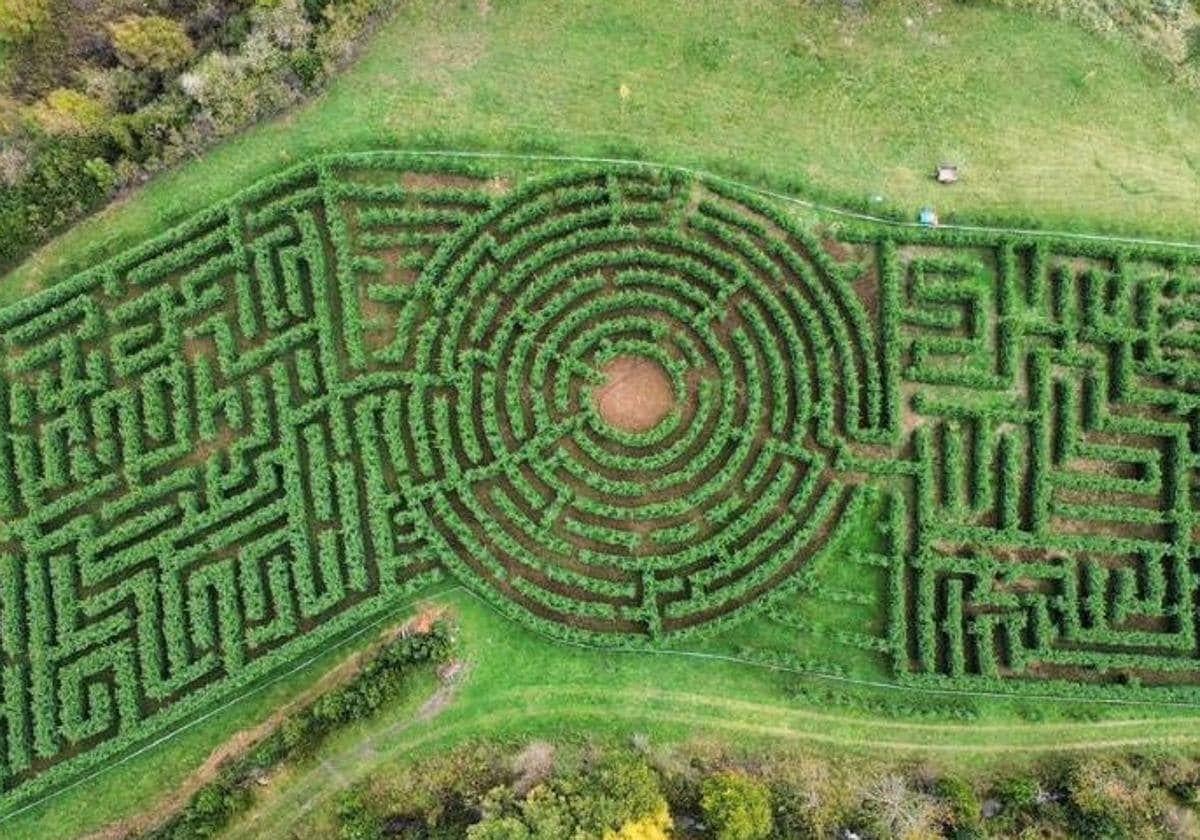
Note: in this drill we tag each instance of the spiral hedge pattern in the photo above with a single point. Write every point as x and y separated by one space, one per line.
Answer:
623 403
528 491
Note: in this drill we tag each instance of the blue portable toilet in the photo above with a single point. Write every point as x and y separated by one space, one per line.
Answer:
928 217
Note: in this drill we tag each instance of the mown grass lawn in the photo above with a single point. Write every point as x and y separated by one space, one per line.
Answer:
519 687
1048 122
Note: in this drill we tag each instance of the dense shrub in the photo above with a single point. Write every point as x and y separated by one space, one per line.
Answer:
235 63
381 680
619 799
894 806
66 111
55 186
960 796
872 797
736 806
22 19
232 90
151 43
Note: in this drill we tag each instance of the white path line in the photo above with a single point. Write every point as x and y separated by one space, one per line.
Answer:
791 199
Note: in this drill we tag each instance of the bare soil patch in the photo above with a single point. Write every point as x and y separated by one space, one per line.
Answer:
636 395
437 181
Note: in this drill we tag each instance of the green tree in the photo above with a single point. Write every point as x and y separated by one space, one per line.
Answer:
499 828
20 20
66 111
736 806
611 797
151 43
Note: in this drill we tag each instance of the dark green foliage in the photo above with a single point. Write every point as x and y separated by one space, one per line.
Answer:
187 73
58 187
1018 793
962 799
618 790
248 436
356 819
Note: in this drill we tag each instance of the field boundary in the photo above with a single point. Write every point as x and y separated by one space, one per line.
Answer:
857 215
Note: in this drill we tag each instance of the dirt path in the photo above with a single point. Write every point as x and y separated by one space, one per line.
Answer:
341 768
245 740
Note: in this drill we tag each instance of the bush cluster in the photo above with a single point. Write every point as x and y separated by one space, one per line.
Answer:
94 103
771 795
381 680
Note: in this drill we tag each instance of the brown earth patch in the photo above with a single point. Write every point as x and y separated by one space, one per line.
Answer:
437 181
206 448
636 395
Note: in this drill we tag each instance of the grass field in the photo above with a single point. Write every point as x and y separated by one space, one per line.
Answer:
521 688
1049 123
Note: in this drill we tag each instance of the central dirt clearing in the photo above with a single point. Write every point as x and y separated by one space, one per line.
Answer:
636 394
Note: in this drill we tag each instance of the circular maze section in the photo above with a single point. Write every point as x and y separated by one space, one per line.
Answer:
627 394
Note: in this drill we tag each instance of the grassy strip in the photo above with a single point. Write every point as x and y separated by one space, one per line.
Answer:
1050 123
387 673
521 688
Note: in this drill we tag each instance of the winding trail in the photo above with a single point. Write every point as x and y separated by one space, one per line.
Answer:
514 713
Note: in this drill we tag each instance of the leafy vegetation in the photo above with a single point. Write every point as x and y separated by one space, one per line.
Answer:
618 799
736 807
710 791
156 44
20 20
372 369
93 98
381 680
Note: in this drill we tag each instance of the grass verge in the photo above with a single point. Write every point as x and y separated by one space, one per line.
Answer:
1051 124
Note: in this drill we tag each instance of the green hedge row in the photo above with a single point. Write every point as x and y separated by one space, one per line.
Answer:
234 443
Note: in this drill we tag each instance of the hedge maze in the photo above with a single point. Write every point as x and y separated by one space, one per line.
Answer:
622 403
1048 417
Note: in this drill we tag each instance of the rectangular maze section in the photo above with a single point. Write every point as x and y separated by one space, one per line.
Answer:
195 484
1048 410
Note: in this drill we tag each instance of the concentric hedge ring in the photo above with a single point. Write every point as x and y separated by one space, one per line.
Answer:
527 490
